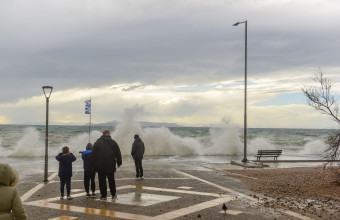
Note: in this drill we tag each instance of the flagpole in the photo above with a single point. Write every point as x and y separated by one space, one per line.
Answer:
90 124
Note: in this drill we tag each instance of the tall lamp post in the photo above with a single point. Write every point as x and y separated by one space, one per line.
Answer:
47 92
245 91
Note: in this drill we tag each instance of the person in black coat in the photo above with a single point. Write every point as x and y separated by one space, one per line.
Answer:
89 174
137 153
65 171
105 155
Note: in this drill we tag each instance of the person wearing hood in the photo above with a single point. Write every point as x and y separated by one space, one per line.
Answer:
89 174
105 156
10 202
137 153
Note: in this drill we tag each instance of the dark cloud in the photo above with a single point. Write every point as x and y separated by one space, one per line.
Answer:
69 44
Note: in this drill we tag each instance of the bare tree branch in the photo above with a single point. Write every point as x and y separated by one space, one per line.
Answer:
322 100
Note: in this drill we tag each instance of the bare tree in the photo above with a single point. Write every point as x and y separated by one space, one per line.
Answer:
320 98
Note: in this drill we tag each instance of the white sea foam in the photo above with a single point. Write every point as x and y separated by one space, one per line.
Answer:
29 144
225 141
315 147
160 141
259 144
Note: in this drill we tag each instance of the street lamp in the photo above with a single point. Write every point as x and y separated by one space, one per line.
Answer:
47 92
245 91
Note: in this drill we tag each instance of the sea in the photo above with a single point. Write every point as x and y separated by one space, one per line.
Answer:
23 146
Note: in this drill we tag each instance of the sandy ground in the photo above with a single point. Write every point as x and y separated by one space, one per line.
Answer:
311 190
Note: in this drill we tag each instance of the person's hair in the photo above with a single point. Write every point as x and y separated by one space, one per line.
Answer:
106 132
136 136
65 150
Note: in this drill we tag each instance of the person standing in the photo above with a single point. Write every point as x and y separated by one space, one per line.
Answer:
105 155
65 171
137 153
89 174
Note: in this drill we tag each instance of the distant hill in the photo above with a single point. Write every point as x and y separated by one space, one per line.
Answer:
142 123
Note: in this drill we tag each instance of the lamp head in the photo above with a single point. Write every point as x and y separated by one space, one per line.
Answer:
237 23
47 91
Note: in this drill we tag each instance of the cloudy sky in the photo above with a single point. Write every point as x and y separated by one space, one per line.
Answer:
178 61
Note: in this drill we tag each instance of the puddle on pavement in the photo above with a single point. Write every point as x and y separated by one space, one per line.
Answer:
141 199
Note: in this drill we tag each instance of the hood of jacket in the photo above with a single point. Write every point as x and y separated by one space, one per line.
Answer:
8 175
138 140
89 146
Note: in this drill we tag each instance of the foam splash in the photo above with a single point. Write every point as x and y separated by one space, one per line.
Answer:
158 141
315 147
259 144
29 144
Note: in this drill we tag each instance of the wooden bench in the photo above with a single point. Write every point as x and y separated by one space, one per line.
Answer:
268 153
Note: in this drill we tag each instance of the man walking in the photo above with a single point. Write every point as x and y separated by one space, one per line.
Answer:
105 155
137 153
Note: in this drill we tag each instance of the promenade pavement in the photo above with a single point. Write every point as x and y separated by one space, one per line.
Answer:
167 192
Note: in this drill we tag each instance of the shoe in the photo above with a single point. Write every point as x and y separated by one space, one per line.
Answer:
69 198
93 195
61 197
103 198
114 197
137 178
88 195
141 178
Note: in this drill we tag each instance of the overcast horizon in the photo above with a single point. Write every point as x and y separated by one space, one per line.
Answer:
166 61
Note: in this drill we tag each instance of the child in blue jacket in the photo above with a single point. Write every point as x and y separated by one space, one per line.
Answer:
89 174
65 171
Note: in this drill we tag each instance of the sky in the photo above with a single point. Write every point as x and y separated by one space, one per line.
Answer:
175 61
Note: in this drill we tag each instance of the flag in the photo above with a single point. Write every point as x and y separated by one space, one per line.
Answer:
88 106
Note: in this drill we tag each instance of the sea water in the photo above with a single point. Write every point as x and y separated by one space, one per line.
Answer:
23 146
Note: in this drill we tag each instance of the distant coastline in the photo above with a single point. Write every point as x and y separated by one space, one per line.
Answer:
142 123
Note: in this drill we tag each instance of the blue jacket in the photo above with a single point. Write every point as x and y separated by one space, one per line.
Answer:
65 165
87 156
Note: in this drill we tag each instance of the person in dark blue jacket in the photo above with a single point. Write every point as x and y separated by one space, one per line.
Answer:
89 174
65 171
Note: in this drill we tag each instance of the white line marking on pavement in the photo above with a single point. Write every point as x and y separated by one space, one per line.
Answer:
218 186
184 187
36 188
297 215
63 218
236 174
178 191
86 210
121 179
231 212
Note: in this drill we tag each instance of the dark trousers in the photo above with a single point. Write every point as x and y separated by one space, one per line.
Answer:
66 181
139 168
89 177
102 183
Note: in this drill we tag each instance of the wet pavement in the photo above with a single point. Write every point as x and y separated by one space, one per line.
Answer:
172 189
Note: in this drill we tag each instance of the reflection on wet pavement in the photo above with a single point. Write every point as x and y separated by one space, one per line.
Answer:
143 199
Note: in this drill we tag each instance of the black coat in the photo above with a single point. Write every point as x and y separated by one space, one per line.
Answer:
138 149
65 165
105 155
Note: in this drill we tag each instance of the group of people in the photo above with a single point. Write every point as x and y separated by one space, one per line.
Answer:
102 158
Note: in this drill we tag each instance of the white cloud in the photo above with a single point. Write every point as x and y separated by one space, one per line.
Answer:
126 52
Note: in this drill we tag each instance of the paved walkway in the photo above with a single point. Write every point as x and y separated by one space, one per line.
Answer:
171 194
